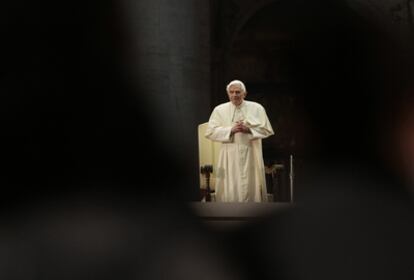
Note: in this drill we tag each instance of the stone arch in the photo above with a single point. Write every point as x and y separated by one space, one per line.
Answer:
360 8
380 14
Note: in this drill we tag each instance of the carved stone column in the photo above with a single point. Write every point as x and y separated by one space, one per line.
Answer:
170 66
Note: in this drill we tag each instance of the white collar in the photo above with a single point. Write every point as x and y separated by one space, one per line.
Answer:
240 106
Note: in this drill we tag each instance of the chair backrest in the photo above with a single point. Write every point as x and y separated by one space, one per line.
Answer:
208 153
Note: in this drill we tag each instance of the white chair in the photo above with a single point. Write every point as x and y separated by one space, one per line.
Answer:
208 155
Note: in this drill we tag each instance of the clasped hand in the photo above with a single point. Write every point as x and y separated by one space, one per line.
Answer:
240 127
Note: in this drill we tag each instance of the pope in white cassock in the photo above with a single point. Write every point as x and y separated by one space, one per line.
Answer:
240 126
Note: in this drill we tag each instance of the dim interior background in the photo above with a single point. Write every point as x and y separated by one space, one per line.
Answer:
101 100
88 87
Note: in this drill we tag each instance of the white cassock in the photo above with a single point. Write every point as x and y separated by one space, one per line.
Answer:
240 175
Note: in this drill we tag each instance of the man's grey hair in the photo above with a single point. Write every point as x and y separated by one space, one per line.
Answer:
237 82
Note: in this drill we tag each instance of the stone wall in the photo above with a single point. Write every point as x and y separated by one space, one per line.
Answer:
170 50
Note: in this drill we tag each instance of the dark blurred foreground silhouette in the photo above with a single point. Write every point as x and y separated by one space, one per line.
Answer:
83 199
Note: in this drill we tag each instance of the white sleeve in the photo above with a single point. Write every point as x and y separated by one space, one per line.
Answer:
259 124
216 131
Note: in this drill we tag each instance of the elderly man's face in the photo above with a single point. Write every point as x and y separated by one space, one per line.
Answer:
236 95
